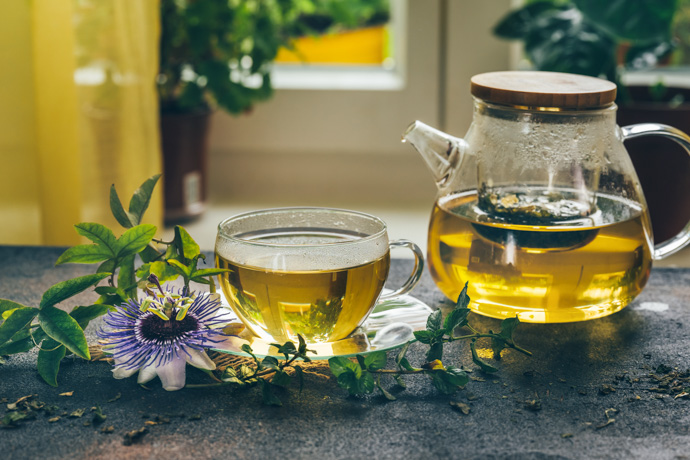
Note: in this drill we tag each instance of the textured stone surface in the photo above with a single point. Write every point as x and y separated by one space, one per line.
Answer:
571 362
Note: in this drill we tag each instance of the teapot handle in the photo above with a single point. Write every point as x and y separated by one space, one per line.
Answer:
678 242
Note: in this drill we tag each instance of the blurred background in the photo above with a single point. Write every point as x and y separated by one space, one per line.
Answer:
247 104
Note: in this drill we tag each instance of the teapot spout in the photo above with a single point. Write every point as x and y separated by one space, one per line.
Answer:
441 152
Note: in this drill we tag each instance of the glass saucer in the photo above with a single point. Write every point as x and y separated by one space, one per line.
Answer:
390 325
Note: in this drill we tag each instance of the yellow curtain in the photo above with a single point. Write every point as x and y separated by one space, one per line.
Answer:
78 112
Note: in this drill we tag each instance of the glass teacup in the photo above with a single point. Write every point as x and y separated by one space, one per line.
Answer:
316 272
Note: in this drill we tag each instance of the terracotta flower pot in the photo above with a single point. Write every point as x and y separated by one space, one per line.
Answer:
184 140
662 165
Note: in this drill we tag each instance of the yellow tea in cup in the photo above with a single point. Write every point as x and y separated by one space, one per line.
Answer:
316 272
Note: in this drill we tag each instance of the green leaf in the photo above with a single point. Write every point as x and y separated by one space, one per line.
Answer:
287 349
405 364
141 198
401 354
84 254
269 398
84 315
401 382
281 379
435 352
248 349
560 41
62 327
150 254
424 336
160 268
18 346
638 21
300 377
6 305
463 299
99 234
269 362
107 267
456 318
376 360
181 268
457 376
433 322
49 357
123 217
210 271
302 349
517 23
187 247
360 361
450 380
386 393
16 321
484 366
135 240
340 365
505 337
643 57
508 327
66 289
366 383
125 277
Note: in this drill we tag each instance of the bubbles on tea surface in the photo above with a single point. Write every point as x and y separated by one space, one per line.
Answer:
305 249
303 239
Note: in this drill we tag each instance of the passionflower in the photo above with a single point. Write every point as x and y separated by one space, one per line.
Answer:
159 334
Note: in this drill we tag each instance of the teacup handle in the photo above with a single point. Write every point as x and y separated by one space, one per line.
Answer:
682 239
416 272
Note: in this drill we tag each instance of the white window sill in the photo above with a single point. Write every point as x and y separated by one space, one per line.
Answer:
302 77
675 77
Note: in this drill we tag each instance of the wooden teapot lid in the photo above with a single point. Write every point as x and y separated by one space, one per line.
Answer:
543 89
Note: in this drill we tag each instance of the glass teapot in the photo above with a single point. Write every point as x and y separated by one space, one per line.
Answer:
539 209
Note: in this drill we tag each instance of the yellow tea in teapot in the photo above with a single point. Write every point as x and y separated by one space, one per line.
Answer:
320 305
533 264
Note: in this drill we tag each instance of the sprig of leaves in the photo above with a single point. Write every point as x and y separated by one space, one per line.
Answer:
270 372
363 374
57 333
358 376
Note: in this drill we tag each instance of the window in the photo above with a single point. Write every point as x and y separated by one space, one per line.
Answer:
339 141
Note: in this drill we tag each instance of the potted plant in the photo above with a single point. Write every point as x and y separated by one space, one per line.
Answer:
339 32
606 39
212 54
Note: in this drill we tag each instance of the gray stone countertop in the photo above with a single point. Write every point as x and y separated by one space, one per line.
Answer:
555 404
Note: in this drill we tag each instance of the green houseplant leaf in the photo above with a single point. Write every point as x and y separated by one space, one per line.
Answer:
518 23
638 21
